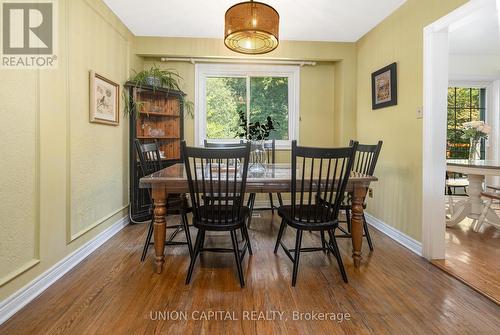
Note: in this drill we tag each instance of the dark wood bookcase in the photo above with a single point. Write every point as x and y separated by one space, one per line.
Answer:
159 116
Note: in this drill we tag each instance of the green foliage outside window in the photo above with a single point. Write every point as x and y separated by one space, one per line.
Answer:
464 105
226 97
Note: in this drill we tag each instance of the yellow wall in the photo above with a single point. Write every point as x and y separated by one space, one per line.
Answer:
62 179
399 38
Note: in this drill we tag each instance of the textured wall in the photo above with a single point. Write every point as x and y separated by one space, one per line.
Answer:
98 153
18 172
82 172
399 38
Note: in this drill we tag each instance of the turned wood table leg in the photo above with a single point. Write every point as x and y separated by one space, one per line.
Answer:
358 197
160 225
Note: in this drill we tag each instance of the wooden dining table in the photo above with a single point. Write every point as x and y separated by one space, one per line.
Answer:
276 178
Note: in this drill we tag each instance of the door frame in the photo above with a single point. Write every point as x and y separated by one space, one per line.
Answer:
435 57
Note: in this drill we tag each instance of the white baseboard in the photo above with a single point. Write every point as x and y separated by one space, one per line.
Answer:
21 298
403 239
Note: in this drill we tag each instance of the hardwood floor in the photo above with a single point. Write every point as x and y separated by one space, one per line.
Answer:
474 258
394 292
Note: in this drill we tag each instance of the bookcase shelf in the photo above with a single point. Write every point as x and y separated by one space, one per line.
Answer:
157 114
159 118
157 138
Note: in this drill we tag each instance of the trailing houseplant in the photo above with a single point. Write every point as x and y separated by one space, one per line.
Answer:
156 78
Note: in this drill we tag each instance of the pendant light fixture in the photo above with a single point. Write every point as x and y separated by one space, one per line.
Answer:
251 28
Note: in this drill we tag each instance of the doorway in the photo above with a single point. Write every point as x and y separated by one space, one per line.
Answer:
442 131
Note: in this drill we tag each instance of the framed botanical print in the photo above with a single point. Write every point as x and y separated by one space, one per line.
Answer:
385 87
104 100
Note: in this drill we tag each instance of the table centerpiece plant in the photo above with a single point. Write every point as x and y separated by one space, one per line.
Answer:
257 133
475 131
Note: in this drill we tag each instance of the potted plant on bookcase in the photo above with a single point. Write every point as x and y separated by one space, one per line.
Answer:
156 78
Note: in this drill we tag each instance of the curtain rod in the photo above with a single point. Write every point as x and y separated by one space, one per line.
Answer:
194 60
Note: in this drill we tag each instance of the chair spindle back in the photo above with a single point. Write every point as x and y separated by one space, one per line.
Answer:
219 174
318 192
366 158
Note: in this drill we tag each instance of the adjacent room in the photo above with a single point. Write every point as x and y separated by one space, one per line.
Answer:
255 167
473 226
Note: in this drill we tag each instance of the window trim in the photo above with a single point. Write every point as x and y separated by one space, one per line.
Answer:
491 115
204 71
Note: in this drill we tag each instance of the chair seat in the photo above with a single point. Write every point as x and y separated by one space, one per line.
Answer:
311 213
491 195
493 187
212 217
457 182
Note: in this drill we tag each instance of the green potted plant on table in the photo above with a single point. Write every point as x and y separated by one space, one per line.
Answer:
257 133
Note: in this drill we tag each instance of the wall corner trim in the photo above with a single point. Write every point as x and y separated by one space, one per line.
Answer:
403 239
25 295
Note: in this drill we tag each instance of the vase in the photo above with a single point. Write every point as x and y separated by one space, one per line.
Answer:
153 81
257 157
474 149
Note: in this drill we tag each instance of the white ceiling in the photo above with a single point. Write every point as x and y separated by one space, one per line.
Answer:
305 20
478 34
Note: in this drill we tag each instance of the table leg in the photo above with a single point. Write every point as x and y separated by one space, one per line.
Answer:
358 197
160 225
472 206
474 190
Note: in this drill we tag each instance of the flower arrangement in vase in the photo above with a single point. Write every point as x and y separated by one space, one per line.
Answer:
475 131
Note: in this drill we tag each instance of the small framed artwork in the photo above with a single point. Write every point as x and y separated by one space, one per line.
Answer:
385 87
104 100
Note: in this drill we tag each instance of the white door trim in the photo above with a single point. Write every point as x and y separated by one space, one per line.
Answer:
434 125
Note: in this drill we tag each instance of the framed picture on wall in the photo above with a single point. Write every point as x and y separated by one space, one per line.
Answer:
385 87
104 100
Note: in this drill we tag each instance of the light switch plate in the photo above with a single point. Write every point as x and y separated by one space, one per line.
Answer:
420 112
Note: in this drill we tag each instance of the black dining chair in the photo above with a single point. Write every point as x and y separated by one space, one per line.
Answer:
220 175
365 162
177 204
317 194
223 145
270 152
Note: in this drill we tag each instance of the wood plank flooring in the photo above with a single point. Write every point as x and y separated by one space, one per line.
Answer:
394 292
474 258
